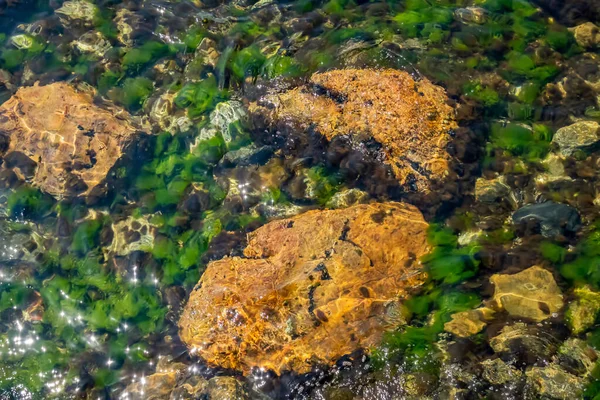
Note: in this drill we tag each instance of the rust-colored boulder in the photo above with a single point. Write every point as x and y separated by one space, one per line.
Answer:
67 142
409 118
309 290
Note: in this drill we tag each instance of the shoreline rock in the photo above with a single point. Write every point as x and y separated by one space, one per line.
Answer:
409 119
60 140
310 289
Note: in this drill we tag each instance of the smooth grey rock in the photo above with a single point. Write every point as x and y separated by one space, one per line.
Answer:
554 218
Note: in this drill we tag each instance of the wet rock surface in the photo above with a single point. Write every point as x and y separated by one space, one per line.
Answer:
60 140
553 218
581 136
531 294
408 118
302 297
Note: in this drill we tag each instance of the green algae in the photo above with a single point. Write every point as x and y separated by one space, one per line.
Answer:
448 265
163 182
532 143
132 93
198 98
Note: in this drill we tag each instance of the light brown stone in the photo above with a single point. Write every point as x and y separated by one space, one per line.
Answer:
73 141
532 294
468 323
309 290
587 35
410 118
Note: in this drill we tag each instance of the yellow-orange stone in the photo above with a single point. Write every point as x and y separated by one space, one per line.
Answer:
309 290
72 140
410 118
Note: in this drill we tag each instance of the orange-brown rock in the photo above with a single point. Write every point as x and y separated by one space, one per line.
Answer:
309 290
72 141
409 118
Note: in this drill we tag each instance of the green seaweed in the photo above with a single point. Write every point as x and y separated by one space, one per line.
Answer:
28 202
481 93
530 142
199 98
132 93
136 58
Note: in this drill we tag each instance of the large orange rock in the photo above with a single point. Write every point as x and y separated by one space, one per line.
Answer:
309 290
409 118
73 141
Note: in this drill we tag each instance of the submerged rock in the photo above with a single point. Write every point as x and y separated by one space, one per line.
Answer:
175 381
468 323
77 11
159 385
577 357
552 382
489 191
553 218
60 137
497 372
226 388
580 136
226 119
531 294
475 15
526 343
132 234
409 119
584 310
347 198
587 35
304 296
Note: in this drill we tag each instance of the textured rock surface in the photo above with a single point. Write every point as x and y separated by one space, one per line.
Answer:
582 312
587 35
554 383
132 234
489 191
72 142
525 343
309 290
532 294
582 135
468 323
409 118
497 372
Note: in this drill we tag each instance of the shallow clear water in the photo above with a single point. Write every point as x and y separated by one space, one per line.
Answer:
92 287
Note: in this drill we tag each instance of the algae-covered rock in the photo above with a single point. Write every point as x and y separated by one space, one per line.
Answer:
309 290
583 311
576 357
552 382
489 191
226 388
524 342
132 234
159 385
497 372
77 11
92 43
226 119
70 142
587 35
347 198
409 119
580 136
531 294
